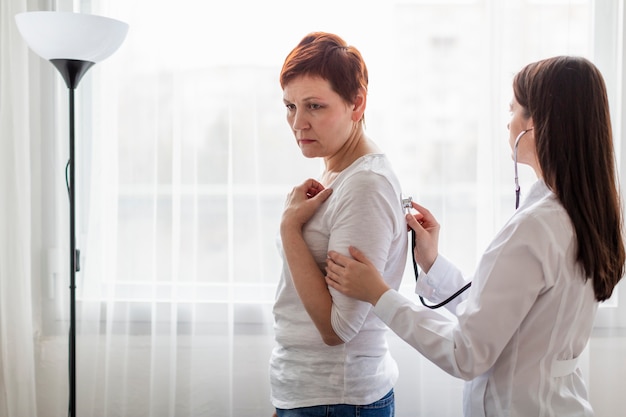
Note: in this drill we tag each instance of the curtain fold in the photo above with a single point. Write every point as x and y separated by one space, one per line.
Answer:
17 360
183 162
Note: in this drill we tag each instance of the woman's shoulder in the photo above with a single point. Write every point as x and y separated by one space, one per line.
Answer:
370 169
368 184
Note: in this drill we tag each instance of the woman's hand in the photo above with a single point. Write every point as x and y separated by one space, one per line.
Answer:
426 236
357 278
302 202
307 278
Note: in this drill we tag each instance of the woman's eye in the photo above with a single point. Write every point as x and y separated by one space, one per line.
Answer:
314 106
290 106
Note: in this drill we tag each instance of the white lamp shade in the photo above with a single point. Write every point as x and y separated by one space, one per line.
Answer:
67 35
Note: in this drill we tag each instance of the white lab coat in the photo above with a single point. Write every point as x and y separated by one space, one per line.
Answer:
522 324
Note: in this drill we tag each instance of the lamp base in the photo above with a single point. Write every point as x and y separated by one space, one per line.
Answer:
72 70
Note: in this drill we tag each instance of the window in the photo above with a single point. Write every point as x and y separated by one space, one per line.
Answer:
187 157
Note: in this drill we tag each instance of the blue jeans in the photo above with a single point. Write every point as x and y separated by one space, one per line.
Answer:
385 407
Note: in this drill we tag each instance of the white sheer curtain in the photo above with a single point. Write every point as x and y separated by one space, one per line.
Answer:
184 162
17 360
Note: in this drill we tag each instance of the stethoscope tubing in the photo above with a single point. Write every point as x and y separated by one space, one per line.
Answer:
517 187
469 284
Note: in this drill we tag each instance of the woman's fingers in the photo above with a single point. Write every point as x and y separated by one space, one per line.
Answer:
302 202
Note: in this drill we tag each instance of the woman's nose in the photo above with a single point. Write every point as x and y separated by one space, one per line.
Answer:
298 121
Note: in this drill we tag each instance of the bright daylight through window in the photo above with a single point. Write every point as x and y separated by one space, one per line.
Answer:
190 155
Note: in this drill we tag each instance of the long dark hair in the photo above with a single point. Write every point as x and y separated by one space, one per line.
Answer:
566 98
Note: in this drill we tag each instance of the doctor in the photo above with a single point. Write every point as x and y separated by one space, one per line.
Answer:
529 313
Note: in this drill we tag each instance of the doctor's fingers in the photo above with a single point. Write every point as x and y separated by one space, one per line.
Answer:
335 261
414 221
344 278
426 246
341 266
427 219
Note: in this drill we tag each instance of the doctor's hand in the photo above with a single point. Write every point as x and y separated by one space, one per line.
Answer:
302 202
426 236
357 278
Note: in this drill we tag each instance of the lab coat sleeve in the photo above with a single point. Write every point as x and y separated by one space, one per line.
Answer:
442 280
512 273
426 330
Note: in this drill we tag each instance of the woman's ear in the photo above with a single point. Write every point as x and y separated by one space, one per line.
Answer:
359 104
531 124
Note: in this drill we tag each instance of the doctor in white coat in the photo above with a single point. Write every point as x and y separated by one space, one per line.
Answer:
530 310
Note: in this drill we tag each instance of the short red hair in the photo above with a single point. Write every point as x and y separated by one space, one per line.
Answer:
329 57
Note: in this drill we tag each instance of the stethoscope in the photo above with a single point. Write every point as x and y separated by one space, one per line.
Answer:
406 205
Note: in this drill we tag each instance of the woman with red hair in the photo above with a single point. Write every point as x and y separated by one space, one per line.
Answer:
331 355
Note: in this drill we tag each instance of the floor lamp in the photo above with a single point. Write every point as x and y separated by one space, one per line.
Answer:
73 43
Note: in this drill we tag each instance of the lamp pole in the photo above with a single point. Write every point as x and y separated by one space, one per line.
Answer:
73 43
72 71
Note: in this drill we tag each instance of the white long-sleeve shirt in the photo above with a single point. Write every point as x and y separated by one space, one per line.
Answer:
365 210
522 324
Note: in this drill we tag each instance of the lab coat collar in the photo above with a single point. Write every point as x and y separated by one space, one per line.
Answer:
538 191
